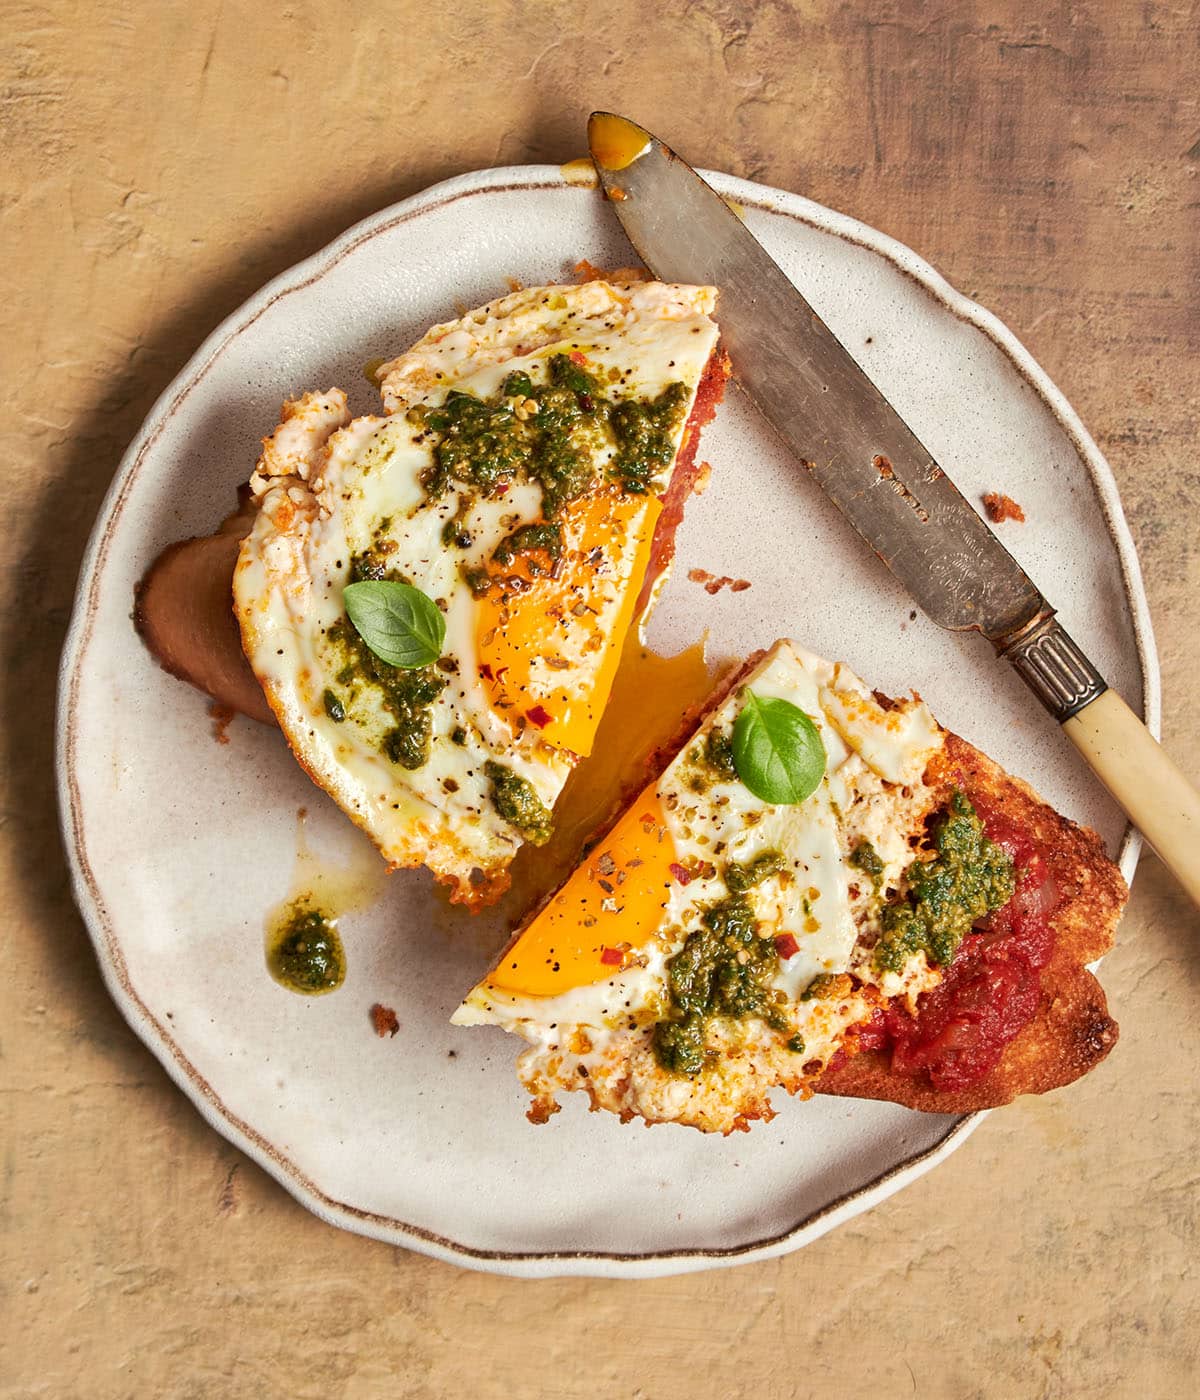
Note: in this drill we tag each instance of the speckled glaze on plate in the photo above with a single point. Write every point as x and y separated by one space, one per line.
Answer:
179 847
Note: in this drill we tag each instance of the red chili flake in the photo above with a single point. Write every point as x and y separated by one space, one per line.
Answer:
611 957
578 357
486 672
786 946
501 489
647 819
539 715
681 873
500 673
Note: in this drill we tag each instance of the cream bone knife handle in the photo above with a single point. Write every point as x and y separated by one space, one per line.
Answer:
1124 755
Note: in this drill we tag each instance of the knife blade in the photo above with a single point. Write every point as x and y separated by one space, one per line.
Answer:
854 444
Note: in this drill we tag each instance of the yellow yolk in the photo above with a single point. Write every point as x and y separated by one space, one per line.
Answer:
648 696
568 620
615 143
611 904
578 172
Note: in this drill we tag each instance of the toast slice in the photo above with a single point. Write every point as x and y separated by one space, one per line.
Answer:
513 512
915 927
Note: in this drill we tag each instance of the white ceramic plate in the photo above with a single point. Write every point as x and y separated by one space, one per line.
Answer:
180 846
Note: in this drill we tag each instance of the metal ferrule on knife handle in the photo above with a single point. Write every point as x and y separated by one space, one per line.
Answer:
1053 666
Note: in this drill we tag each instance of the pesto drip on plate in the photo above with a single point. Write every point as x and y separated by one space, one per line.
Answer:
725 968
968 877
549 433
304 951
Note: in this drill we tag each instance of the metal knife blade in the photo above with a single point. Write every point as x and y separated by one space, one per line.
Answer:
813 392
825 408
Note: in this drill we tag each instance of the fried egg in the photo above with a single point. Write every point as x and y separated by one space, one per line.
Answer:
515 479
585 981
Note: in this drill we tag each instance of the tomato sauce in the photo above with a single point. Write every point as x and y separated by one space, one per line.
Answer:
709 393
991 990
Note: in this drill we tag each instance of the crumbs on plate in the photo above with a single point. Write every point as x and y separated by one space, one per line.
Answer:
1000 508
383 1018
713 583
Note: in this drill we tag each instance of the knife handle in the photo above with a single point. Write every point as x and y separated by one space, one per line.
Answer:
1131 764
1122 752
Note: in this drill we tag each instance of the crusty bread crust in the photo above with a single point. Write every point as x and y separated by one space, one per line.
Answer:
1072 1031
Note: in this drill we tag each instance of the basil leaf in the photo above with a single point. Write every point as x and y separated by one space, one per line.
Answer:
777 750
398 622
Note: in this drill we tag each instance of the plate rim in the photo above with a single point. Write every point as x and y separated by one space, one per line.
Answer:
85 890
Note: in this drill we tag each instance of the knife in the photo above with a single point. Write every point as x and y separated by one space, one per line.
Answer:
868 461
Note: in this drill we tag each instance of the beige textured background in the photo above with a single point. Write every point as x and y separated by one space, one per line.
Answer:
160 161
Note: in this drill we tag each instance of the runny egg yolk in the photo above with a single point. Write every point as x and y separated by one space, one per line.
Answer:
549 638
609 907
615 142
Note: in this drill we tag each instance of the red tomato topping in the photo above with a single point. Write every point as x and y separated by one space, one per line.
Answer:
611 956
991 991
681 873
872 1034
577 357
786 946
539 715
683 478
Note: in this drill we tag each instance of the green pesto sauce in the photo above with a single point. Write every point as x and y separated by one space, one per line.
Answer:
373 563
739 878
406 694
454 531
644 437
479 581
723 969
821 985
968 877
550 434
718 755
713 762
517 802
865 857
304 952
540 538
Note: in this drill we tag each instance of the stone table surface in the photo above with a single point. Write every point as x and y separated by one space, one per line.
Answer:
161 161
